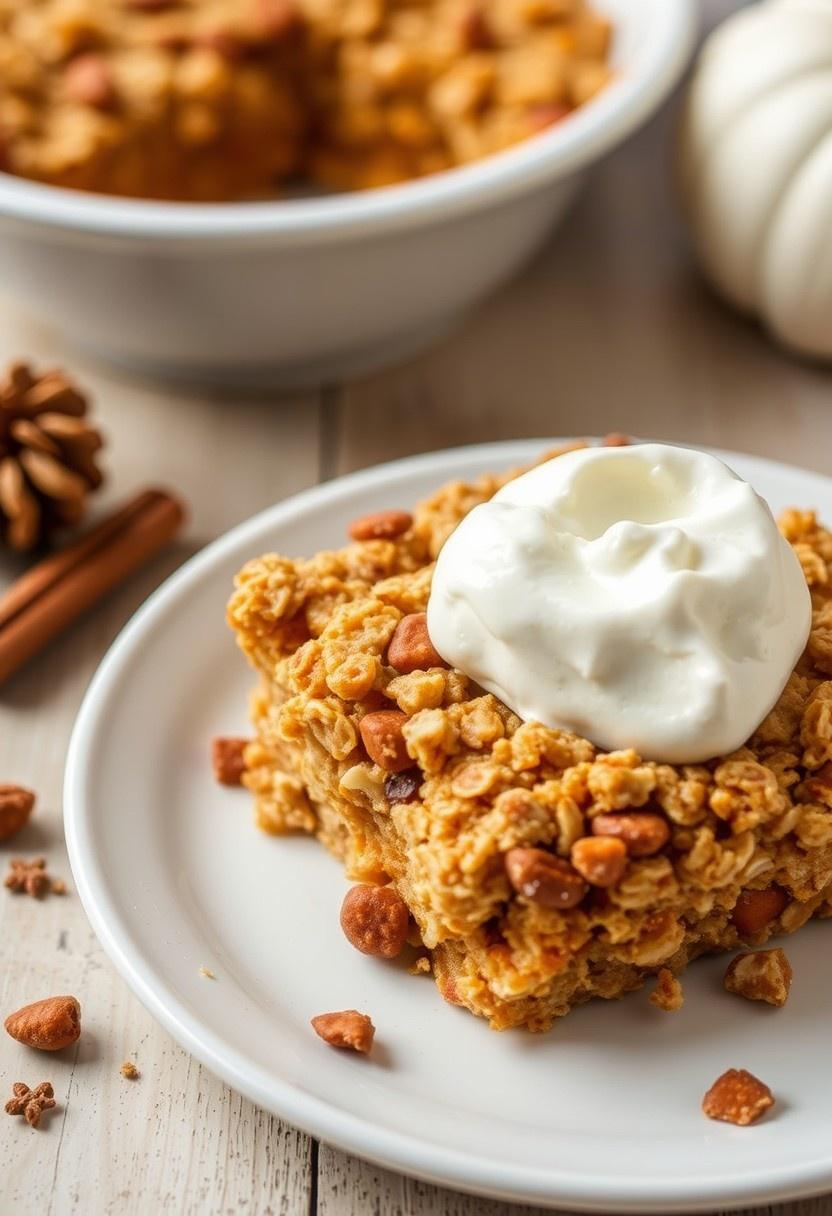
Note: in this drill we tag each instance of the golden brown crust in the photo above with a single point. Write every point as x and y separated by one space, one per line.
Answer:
754 827
227 99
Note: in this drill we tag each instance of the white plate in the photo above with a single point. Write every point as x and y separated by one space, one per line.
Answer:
603 1113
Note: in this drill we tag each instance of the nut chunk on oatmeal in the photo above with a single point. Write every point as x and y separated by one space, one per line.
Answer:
536 871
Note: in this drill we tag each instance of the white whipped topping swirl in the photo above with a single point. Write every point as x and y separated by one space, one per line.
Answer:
640 596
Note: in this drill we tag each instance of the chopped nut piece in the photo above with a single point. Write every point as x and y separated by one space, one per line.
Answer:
383 525
544 879
31 1103
737 1097
667 994
375 920
403 787
642 832
16 805
129 1071
48 1025
381 734
601 860
763 975
755 910
89 81
349 1029
410 647
228 756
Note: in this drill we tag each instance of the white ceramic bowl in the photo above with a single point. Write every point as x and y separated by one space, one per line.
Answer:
300 290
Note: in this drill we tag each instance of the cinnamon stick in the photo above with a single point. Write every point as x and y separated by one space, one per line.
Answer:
56 591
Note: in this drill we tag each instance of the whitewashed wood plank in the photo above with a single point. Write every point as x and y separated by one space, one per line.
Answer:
177 1140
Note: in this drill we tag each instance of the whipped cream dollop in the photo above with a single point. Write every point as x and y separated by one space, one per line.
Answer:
640 596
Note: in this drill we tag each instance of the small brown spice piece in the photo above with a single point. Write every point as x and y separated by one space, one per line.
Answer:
89 81
737 1097
228 758
410 647
28 877
601 860
48 1025
544 879
642 832
755 910
31 1103
762 975
129 1071
403 787
375 920
381 734
349 1029
667 995
383 525
16 805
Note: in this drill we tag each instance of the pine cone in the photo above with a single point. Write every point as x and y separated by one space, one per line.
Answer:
47 455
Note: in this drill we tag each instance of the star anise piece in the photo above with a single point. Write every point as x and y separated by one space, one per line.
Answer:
47 455
31 1103
28 877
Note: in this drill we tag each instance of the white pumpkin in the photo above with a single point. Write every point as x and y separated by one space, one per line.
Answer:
756 166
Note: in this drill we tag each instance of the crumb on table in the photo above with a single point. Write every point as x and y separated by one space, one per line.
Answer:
667 994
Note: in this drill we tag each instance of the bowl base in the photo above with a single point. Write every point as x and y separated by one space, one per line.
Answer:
282 377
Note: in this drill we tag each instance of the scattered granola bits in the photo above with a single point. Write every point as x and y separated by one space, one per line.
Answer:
375 920
544 879
228 758
31 878
349 1029
667 995
762 975
737 1097
382 525
206 973
31 1103
129 1071
48 1025
403 787
16 805
755 910
421 966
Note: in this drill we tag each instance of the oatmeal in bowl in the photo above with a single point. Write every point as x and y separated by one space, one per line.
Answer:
218 100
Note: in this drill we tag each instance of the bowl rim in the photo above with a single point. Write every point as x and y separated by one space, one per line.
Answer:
622 106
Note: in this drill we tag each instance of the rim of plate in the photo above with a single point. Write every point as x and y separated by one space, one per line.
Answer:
372 1141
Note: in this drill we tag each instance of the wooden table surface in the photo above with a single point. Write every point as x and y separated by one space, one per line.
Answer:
609 329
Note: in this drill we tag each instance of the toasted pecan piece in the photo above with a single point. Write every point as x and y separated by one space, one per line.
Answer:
349 1029
601 860
228 759
16 805
48 1025
375 920
381 525
410 647
544 879
760 975
381 734
755 910
643 832
737 1097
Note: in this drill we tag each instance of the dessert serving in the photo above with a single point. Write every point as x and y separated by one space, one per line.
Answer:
470 751
214 100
